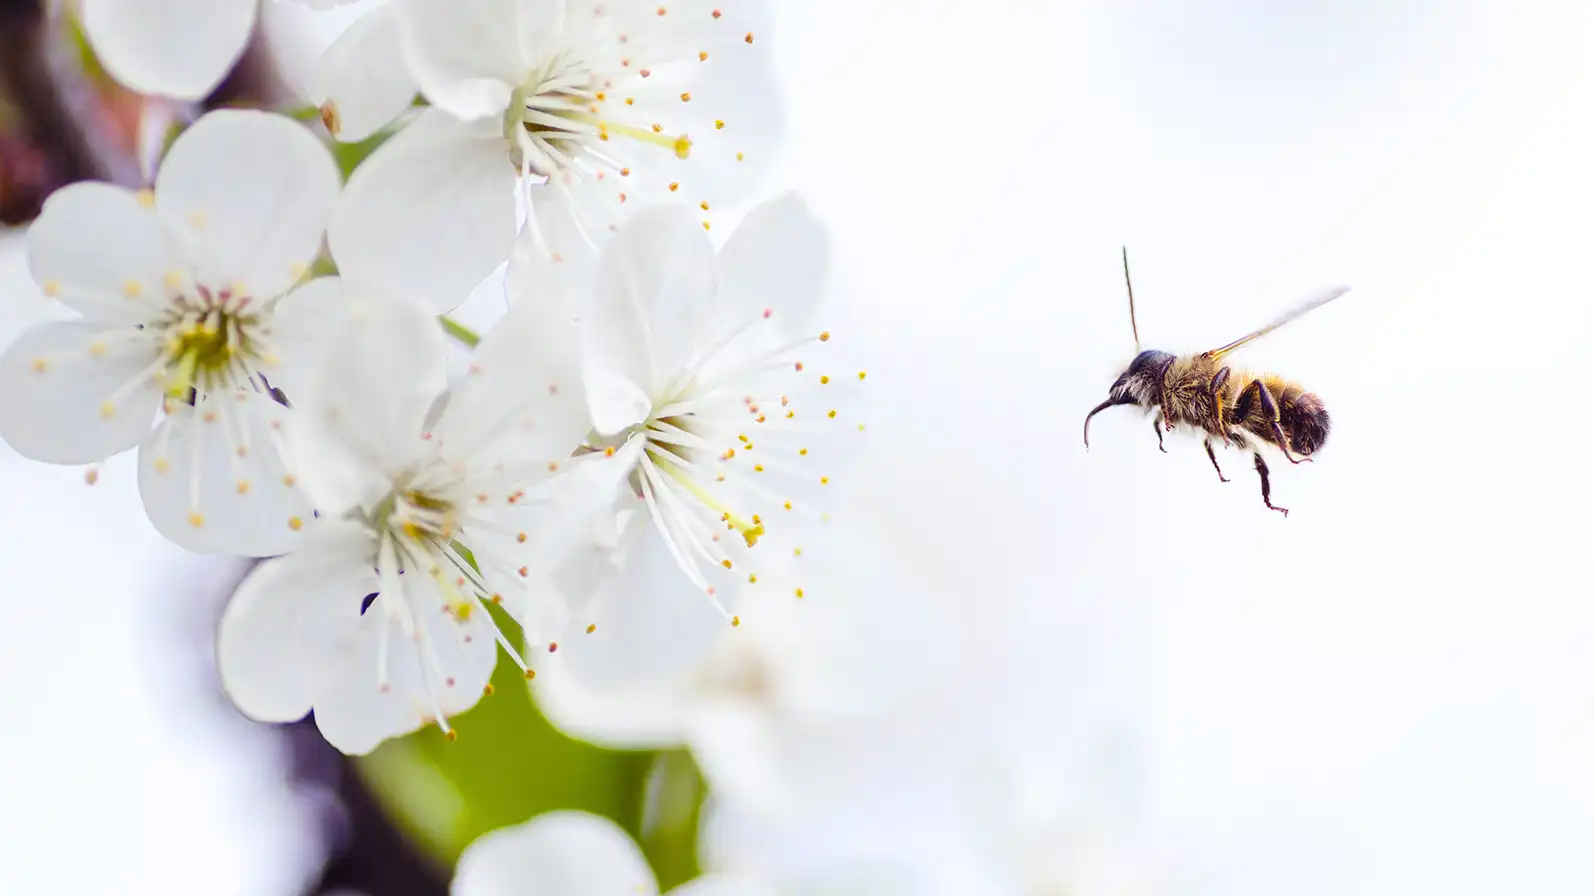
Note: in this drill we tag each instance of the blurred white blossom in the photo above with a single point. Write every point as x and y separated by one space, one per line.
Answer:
378 623
571 853
179 49
180 293
592 107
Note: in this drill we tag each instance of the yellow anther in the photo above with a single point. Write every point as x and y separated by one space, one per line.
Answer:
702 56
719 124
411 530
749 37
196 519
831 414
686 97
530 674
608 451
289 480
462 611
787 505
451 734
297 269
487 689
758 468
243 486
703 205
52 288
803 452
824 480
107 410
146 198
740 157
736 621
330 118
592 627
707 226
629 101
799 592
824 381
674 186
825 336
752 580
521 537
796 552
173 278
97 348
862 374
725 563
40 365
295 523
132 288
91 477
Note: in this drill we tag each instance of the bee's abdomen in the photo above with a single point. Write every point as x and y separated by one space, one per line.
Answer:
1304 419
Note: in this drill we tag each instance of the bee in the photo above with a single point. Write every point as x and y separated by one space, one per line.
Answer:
1242 409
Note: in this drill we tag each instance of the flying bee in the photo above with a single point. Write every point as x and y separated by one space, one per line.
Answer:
1239 408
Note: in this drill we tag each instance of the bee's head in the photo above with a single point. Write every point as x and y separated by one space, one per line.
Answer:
1138 384
1139 381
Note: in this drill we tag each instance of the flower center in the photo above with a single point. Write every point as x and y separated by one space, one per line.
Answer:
211 340
560 119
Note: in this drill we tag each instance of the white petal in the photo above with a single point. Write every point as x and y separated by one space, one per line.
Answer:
176 48
741 751
469 55
361 420
651 621
724 885
214 481
356 715
523 395
430 213
551 264
77 392
362 82
306 325
322 4
101 252
656 282
563 853
247 195
778 258
274 646
647 716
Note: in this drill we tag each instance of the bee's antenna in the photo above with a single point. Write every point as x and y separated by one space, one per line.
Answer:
1132 325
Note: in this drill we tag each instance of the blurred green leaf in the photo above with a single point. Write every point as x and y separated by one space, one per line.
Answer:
508 764
350 155
670 817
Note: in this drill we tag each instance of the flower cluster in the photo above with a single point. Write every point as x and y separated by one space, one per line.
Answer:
628 461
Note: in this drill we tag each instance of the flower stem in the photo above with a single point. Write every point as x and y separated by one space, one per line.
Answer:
465 335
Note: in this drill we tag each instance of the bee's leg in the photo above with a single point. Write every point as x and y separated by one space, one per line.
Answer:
1207 442
1270 408
1267 489
1219 380
1156 426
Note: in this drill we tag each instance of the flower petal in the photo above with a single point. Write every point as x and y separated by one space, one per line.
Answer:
101 252
176 48
430 213
562 853
77 392
246 195
777 259
656 281
469 55
306 326
276 638
362 82
323 4
647 716
725 885
360 421
214 481
523 397
650 621
353 709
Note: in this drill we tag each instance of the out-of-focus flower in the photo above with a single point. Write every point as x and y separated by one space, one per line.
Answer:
574 854
174 48
596 106
379 622
764 708
179 293
718 419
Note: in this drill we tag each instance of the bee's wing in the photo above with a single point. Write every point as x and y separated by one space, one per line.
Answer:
1311 304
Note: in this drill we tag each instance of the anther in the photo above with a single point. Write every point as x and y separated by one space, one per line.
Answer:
487 689
295 523
719 124
592 627
686 97
736 621
40 365
725 563
91 477
52 288
824 381
451 734
831 414
702 56
553 646
196 519
749 37
146 198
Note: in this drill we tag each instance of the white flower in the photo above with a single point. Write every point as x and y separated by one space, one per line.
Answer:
570 853
362 81
794 674
179 296
434 512
596 106
176 48
718 415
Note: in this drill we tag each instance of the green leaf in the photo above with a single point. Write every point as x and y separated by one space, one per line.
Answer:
670 817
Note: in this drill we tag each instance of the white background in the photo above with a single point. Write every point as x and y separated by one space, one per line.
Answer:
1387 692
